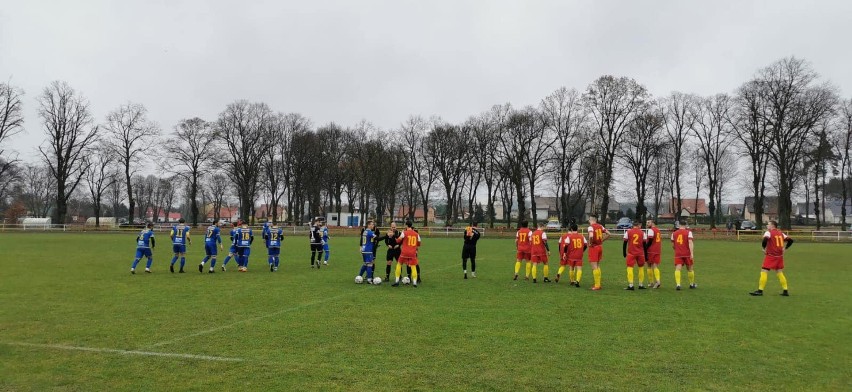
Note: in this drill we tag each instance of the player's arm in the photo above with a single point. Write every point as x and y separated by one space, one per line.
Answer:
152 242
765 241
789 242
188 238
585 244
251 238
624 245
691 249
605 234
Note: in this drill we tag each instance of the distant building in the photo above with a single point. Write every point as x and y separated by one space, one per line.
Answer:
689 207
770 208
265 210
402 214
545 208
347 217
162 217
832 214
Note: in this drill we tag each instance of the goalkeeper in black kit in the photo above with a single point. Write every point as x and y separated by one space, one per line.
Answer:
471 235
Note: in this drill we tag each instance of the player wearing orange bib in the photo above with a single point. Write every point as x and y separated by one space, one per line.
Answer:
597 235
684 251
633 249
571 248
539 252
655 246
523 241
775 242
410 240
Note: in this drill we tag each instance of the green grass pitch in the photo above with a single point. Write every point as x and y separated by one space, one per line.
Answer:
74 319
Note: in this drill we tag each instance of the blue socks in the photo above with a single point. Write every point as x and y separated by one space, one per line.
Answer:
363 269
213 264
227 259
182 262
134 263
277 260
326 254
174 259
148 264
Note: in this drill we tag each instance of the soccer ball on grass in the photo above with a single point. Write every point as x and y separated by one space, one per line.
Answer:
359 279
377 280
405 280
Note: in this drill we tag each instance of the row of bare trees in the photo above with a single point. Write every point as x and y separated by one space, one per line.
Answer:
788 128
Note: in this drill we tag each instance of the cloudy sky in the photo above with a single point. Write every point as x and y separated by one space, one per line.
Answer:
382 61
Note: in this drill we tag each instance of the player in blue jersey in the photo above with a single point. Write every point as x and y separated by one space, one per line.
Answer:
180 239
273 246
232 251
212 239
266 227
243 237
367 254
315 236
325 247
144 244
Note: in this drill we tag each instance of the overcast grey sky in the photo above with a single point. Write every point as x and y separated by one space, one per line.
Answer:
344 61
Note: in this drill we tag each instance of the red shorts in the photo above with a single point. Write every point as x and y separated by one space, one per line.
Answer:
653 258
542 258
683 260
773 262
576 262
595 253
412 261
523 255
632 260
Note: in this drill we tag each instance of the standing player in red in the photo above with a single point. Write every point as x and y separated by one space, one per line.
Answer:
655 247
539 252
523 242
410 240
571 248
684 253
633 249
775 242
597 235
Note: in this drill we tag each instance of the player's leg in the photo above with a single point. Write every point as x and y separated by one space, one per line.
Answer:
136 260
678 266
534 268
545 270
578 274
182 259
150 257
562 263
529 265
472 255
641 271
271 260
517 265
369 271
397 273
630 264
596 275
174 259
783 281
327 250
690 274
415 273
212 263
657 272
464 261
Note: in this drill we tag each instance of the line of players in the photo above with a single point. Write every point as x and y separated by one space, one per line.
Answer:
402 248
242 237
640 247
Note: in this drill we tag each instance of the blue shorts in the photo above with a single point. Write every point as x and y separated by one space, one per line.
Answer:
325 247
211 249
243 251
274 251
178 248
143 252
368 257
232 250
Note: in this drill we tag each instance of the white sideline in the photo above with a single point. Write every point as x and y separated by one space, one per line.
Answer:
268 315
125 352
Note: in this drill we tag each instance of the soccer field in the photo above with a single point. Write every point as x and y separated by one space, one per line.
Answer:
74 318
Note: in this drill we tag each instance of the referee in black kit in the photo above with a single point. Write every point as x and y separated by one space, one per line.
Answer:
393 248
471 235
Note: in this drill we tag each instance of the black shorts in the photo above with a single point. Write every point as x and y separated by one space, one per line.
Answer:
469 252
393 254
316 247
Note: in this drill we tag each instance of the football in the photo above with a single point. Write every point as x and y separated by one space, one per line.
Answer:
377 280
405 280
359 279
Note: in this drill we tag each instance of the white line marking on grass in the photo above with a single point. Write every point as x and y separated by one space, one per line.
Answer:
125 352
265 316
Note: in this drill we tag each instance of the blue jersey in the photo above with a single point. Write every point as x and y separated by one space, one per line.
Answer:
273 237
243 237
213 235
145 238
325 235
180 234
266 229
367 241
233 236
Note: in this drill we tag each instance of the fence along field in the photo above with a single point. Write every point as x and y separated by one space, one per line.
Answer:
73 317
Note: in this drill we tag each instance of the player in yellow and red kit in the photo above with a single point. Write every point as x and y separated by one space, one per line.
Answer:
523 242
597 235
775 242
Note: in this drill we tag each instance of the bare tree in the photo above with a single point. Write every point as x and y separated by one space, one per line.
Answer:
565 117
245 129
216 187
99 178
612 103
752 131
424 175
446 151
11 123
794 105
130 135
38 189
645 144
843 148
68 130
513 148
188 153
115 193
713 136
486 134
678 113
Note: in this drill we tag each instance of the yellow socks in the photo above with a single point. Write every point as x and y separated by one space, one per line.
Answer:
529 266
762 284
783 280
517 266
534 270
691 275
398 271
597 274
657 274
641 275
630 276
414 275
571 275
562 269
578 275
546 270
677 277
